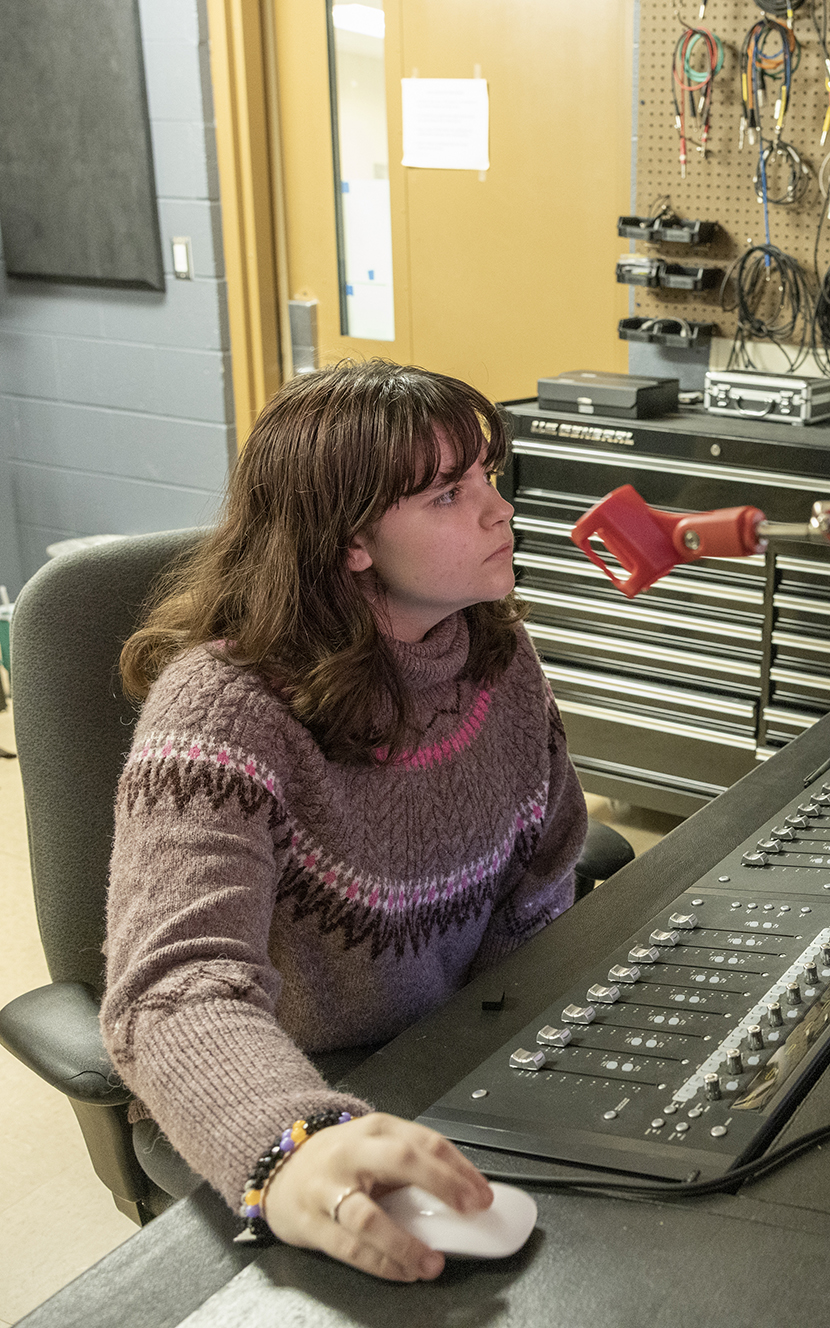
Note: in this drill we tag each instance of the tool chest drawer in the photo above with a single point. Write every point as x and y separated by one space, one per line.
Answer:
670 697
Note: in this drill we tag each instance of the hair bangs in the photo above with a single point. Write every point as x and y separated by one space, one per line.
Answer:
448 414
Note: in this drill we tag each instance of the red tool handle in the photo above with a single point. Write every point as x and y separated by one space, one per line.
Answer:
648 543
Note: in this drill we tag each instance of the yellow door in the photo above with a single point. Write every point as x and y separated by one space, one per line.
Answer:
499 275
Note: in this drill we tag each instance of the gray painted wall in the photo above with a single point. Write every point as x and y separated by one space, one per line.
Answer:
116 410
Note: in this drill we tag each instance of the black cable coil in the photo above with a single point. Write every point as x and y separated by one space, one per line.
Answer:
772 297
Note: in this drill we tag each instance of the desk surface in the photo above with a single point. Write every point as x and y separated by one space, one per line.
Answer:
755 1258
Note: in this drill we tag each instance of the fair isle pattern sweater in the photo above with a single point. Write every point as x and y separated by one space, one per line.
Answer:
265 901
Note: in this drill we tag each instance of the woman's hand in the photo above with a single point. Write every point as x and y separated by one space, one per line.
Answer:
363 1160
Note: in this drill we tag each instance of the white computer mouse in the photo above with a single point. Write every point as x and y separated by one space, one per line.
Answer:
499 1230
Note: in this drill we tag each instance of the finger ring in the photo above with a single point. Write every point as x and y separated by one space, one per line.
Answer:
354 1189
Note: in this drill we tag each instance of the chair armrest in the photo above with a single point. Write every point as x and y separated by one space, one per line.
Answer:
605 852
54 1030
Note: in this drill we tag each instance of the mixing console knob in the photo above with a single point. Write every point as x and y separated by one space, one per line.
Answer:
770 845
605 995
711 1087
734 1064
776 1018
793 993
578 1014
659 937
528 1060
623 973
799 822
825 953
641 954
756 1037
754 860
783 832
810 974
685 921
553 1037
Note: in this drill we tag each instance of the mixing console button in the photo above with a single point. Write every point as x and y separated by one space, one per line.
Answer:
682 1126
606 995
754 860
641 954
782 832
659 937
685 921
776 1018
799 822
718 1131
670 1109
695 1112
528 1060
578 1014
711 1087
553 1037
623 973
657 1123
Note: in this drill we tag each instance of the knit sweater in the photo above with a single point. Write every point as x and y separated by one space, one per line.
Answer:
265 901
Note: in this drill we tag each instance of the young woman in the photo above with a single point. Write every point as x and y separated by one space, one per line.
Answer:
349 792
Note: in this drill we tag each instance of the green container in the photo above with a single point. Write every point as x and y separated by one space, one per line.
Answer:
5 624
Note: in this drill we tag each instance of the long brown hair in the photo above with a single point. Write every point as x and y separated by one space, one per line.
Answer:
327 457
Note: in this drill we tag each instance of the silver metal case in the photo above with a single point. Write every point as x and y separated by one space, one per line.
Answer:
783 398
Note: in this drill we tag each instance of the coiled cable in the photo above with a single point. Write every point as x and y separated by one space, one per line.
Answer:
774 302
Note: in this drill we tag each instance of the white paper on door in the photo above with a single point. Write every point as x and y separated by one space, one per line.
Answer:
446 123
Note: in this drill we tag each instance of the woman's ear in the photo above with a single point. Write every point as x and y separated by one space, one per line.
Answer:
358 558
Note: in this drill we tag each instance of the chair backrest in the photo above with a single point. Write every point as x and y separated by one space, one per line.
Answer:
74 728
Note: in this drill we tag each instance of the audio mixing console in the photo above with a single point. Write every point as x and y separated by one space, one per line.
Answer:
689 1046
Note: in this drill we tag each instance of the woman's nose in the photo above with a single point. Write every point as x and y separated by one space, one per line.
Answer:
500 509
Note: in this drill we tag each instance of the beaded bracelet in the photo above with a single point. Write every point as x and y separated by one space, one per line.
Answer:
270 1163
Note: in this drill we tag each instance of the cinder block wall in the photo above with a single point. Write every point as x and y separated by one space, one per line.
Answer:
116 413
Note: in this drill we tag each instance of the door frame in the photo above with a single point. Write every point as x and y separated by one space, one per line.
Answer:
246 109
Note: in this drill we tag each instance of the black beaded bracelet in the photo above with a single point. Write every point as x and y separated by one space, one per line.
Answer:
269 1164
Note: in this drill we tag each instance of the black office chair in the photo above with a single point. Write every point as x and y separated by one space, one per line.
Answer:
74 729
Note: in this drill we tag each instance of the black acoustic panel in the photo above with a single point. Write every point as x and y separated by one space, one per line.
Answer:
77 193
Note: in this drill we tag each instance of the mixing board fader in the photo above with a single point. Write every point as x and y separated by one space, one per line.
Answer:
688 1047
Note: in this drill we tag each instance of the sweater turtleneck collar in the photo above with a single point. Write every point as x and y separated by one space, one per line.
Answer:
438 658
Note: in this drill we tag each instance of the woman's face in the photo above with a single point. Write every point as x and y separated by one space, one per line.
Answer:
437 552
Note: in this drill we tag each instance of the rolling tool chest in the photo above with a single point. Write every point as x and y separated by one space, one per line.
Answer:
670 698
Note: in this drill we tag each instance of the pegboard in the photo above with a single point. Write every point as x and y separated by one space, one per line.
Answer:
719 187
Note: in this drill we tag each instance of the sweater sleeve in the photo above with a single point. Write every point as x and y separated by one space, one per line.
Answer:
542 888
189 1012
